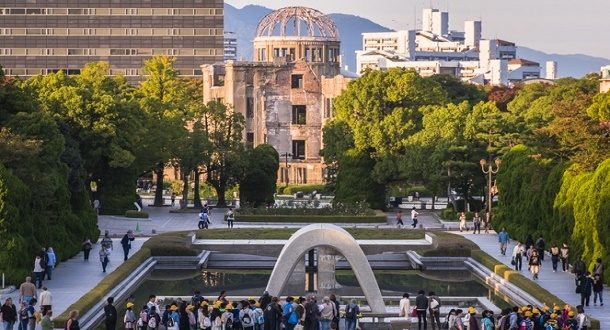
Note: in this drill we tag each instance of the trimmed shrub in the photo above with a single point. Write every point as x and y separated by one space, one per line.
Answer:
377 218
304 188
258 183
170 244
136 214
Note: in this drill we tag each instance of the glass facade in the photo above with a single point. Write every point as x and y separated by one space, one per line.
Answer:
44 36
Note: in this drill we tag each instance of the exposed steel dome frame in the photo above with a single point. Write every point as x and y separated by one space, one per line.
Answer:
316 23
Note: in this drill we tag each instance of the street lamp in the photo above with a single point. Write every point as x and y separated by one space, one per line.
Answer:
286 155
488 169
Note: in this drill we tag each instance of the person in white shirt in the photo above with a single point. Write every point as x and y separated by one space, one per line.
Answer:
414 215
46 300
518 251
405 306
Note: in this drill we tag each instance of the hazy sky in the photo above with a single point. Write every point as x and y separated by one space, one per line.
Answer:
552 26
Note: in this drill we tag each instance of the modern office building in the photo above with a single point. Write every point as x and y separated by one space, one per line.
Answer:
434 49
43 36
286 93
230 44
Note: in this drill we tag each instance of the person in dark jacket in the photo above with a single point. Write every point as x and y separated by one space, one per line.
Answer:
541 247
264 300
110 314
9 313
421 305
579 267
585 284
273 315
311 314
126 243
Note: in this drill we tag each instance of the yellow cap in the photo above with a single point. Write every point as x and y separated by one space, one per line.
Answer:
545 308
553 316
536 311
257 305
524 309
130 304
204 304
528 314
571 314
472 310
173 308
229 307
190 307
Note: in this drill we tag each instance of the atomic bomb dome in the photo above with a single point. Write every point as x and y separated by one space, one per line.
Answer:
298 33
298 22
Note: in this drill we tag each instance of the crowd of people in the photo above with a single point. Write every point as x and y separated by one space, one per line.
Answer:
587 282
517 318
34 308
265 313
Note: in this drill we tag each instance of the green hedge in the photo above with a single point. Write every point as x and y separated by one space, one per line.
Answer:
450 245
89 299
170 244
136 214
376 217
348 210
449 214
304 188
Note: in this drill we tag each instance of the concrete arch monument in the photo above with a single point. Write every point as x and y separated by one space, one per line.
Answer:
326 235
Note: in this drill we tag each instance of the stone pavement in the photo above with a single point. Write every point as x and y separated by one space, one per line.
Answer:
560 284
74 277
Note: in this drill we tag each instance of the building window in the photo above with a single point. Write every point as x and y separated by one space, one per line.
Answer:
301 175
328 105
296 81
250 139
249 107
298 149
299 115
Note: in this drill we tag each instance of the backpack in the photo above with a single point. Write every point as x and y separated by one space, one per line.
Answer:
351 312
170 322
245 319
229 323
152 323
206 322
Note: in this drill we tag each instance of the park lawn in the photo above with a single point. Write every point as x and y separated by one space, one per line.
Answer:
285 233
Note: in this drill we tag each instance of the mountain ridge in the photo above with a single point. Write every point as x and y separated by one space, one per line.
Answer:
243 22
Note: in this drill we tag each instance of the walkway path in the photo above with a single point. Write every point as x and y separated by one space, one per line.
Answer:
73 278
560 284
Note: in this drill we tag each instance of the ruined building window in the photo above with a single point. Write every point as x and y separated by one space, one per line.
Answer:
328 106
298 149
250 139
301 175
299 115
249 107
297 81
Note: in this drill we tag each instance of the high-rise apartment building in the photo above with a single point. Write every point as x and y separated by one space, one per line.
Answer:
44 36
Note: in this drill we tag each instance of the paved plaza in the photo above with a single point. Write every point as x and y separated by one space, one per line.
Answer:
73 278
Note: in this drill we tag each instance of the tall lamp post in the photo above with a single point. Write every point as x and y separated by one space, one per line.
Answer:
488 168
286 155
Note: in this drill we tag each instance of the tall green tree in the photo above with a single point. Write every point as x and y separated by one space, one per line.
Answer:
225 160
258 184
164 100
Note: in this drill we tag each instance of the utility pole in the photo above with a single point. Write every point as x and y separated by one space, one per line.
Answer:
286 165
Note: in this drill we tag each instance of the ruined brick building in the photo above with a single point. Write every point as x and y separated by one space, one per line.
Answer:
286 93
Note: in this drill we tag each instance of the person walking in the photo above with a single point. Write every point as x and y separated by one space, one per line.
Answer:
414 215
173 199
504 239
541 247
534 264
27 290
564 253
97 206
204 220
51 262
104 258
87 246
45 322
337 308
598 287
476 223
462 219
38 271
352 310
405 307
130 317
434 307
585 286
399 222
46 300
579 267
487 223
273 314
518 252
421 306
106 242
230 218
8 311
555 256
126 243
31 314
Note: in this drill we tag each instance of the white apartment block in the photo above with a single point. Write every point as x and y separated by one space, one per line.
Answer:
604 82
437 50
